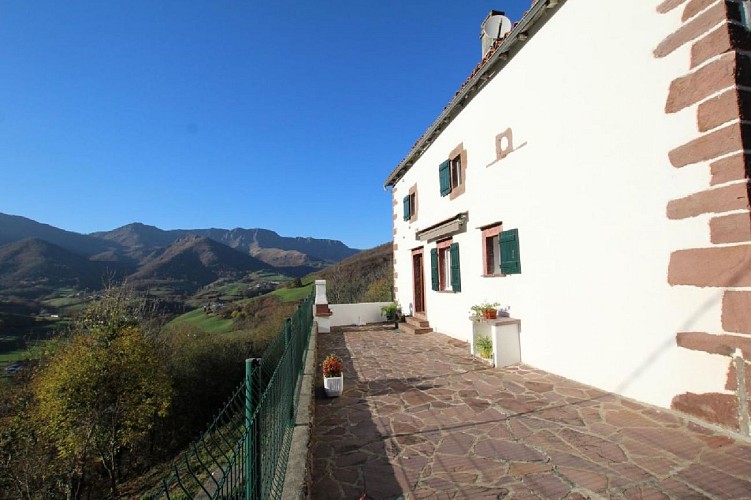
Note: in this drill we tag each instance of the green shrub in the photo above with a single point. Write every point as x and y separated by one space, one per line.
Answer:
484 346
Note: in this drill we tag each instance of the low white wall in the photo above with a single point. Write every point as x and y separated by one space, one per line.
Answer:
357 314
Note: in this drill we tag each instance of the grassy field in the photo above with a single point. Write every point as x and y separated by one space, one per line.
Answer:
208 323
61 302
19 354
213 324
293 294
8 357
269 276
17 344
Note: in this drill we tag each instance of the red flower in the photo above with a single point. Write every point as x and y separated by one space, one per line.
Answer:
332 366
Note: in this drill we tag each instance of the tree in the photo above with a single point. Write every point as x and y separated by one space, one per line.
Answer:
100 393
381 290
23 449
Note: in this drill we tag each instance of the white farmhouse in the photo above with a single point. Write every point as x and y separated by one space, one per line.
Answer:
591 175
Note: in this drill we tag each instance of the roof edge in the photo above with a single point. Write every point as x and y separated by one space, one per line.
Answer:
471 88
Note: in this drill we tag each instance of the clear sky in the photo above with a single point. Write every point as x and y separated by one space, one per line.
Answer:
224 113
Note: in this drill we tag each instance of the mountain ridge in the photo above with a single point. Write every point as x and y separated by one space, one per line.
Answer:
198 260
16 228
34 261
265 244
150 254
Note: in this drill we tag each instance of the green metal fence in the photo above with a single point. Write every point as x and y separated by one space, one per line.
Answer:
244 452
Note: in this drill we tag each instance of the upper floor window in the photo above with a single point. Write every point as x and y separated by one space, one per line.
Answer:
456 172
410 204
452 173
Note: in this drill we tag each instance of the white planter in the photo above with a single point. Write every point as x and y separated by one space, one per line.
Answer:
487 361
333 386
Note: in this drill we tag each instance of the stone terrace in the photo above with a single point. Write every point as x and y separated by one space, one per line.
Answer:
420 418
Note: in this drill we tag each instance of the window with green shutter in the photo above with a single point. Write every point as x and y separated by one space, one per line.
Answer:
444 175
434 268
491 250
456 279
407 213
510 260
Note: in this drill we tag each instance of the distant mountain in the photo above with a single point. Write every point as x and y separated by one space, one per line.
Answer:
140 241
285 258
137 235
35 252
254 241
198 261
37 263
16 228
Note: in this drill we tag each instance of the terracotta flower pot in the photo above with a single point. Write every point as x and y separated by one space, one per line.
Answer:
490 314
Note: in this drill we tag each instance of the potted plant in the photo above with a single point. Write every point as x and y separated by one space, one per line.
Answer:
485 310
389 310
333 379
484 346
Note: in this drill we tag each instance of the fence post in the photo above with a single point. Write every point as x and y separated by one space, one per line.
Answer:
252 434
289 347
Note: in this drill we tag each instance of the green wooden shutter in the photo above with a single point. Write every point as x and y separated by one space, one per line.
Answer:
434 268
510 260
456 278
407 215
444 175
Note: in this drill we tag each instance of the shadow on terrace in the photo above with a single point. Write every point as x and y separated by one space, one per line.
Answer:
420 417
350 447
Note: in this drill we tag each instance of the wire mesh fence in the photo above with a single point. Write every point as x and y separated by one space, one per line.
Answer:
244 451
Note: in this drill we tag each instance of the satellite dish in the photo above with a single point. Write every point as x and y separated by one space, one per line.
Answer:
496 26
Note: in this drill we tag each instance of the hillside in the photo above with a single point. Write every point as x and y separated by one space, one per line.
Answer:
198 261
365 277
285 258
138 241
33 262
254 240
17 228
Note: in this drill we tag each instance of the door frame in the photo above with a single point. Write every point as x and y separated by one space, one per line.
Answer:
418 281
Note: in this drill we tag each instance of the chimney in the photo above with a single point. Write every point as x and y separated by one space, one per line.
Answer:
322 313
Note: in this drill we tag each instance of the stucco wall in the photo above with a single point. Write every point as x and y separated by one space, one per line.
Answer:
587 187
357 314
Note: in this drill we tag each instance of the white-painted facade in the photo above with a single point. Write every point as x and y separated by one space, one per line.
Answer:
586 185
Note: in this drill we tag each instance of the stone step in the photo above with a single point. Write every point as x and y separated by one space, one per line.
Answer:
414 329
417 321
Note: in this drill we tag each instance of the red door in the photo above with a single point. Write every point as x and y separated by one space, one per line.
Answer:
418 280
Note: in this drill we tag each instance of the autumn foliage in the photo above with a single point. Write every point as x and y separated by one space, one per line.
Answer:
365 277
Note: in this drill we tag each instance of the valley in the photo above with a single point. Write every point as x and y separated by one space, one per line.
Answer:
198 306
48 274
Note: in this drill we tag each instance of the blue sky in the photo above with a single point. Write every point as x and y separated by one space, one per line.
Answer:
224 113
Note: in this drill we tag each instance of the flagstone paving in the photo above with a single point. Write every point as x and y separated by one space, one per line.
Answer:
420 418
